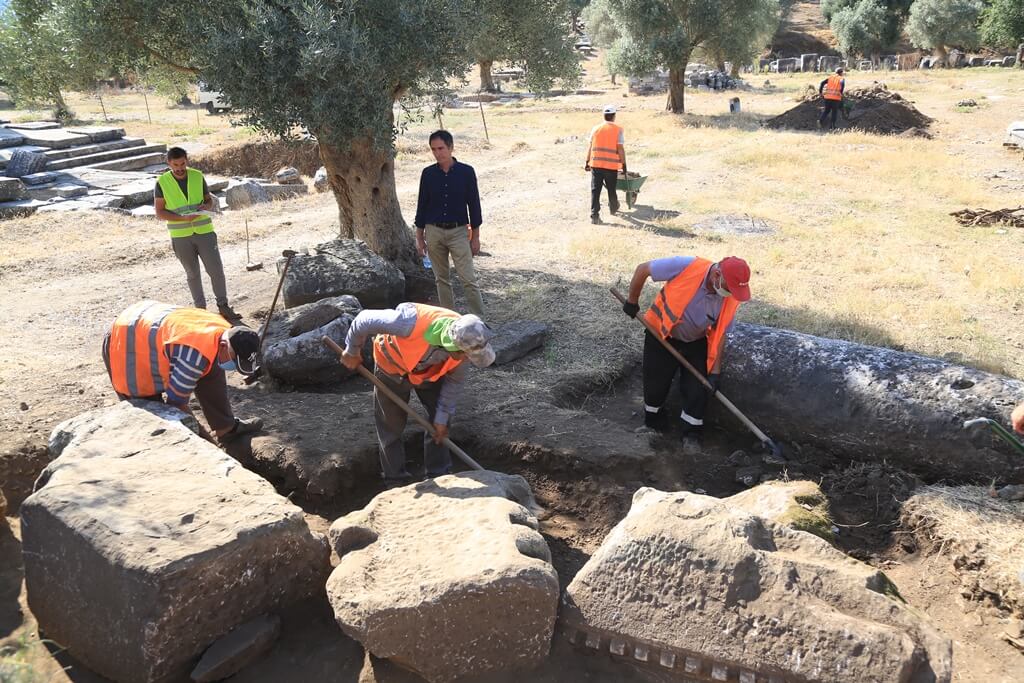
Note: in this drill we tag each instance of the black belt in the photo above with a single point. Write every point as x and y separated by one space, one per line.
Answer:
449 225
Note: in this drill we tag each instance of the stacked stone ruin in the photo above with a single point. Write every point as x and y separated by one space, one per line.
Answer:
46 168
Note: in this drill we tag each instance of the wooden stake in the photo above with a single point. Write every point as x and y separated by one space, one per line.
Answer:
99 96
146 100
482 117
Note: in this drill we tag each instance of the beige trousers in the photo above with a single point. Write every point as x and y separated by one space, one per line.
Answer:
441 244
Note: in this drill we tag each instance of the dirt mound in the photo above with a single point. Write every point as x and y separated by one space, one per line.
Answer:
875 109
260 159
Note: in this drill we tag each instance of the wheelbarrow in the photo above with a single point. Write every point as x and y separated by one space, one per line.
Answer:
631 186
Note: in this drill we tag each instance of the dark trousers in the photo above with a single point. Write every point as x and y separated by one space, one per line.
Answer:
211 392
833 107
603 177
390 420
660 368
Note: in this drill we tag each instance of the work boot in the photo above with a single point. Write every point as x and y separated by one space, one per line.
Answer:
596 220
657 421
241 428
692 438
228 313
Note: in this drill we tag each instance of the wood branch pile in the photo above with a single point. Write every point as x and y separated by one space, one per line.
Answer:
975 217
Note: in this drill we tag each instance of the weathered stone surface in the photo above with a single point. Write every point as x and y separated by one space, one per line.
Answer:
144 211
3 507
142 158
40 178
277 192
70 190
515 339
448 578
144 544
288 175
871 403
62 205
10 138
976 61
808 62
237 649
99 133
7 152
25 163
698 588
11 189
136 193
1009 61
34 125
343 267
828 63
244 194
55 138
320 181
293 352
19 208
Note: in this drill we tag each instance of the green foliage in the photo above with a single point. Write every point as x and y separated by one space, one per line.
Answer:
1002 24
40 58
171 83
944 23
532 34
860 22
860 29
601 26
672 29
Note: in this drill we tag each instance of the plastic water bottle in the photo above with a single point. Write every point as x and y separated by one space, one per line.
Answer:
426 262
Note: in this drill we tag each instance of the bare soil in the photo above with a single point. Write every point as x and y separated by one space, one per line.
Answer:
875 110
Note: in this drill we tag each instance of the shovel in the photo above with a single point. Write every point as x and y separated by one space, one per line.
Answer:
423 422
773 451
999 430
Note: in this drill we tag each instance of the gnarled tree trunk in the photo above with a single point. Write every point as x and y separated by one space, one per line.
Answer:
676 90
943 54
486 81
363 181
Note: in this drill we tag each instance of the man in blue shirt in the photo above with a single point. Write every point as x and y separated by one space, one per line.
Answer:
448 222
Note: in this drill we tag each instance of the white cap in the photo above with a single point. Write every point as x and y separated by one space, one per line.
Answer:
609 109
472 336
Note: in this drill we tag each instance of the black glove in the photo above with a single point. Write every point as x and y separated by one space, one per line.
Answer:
630 309
714 380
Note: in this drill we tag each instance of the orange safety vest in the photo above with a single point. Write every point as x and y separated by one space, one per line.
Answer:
675 296
833 88
400 355
604 147
141 338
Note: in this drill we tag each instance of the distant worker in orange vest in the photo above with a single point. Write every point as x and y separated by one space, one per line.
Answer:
694 311
605 156
157 350
418 348
831 89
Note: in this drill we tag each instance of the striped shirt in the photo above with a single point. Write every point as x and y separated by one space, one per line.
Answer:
187 367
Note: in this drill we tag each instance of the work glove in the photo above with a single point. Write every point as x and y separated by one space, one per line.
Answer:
630 309
714 380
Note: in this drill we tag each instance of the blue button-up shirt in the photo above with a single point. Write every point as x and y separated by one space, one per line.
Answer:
451 197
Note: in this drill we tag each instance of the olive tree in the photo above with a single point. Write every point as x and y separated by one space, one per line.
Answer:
533 34
1002 24
668 31
603 32
860 29
941 24
334 67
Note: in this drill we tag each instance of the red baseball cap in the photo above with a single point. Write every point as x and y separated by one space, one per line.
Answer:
737 277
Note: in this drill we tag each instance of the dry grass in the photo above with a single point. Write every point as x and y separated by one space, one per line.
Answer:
988 531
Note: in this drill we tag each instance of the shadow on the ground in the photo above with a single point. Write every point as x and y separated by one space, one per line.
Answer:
12 572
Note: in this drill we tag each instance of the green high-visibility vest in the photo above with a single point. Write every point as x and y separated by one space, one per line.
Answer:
174 200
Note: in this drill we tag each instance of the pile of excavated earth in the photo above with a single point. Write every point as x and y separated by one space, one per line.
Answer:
152 555
876 109
46 167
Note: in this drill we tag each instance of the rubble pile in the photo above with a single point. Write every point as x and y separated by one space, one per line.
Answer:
875 109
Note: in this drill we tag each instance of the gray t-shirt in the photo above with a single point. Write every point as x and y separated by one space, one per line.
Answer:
158 192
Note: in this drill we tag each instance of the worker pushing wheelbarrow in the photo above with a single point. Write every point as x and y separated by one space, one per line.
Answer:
606 161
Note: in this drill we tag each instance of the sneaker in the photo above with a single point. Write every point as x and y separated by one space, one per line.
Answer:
241 428
228 313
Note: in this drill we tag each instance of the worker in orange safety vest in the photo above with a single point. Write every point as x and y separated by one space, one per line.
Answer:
694 312
605 156
831 89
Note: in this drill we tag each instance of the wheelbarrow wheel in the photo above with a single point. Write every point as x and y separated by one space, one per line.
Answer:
631 200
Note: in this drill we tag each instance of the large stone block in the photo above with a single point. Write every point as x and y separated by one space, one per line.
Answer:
278 192
10 138
867 402
321 183
808 62
56 138
694 588
828 63
448 578
293 352
10 189
516 338
343 267
24 163
288 175
99 133
245 194
144 544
